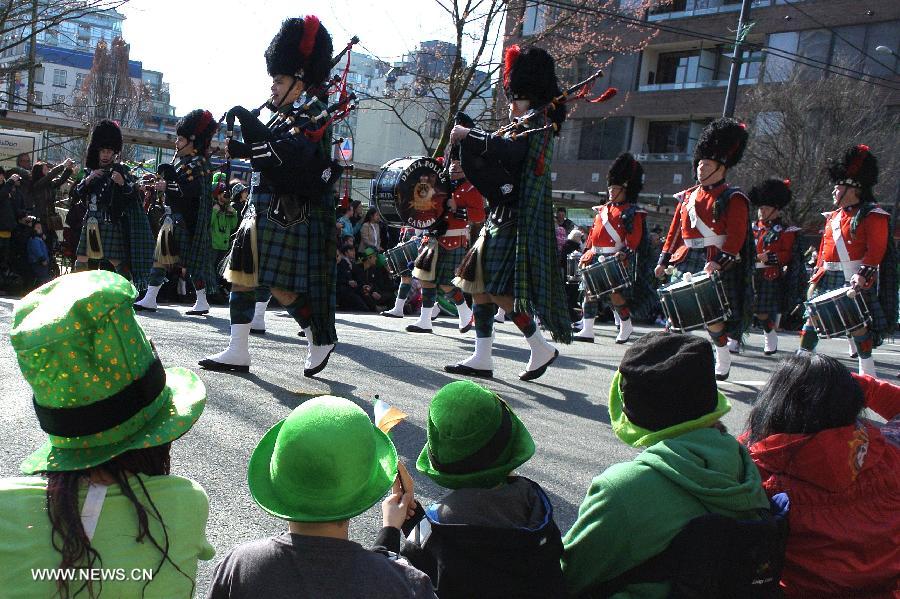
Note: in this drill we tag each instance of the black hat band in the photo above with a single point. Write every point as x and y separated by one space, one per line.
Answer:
484 457
107 413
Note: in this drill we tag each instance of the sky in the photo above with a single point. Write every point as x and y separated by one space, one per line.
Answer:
211 51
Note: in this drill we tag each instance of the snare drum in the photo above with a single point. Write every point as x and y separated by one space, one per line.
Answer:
605 276
695 303
411 191
573 274
836 314
401 256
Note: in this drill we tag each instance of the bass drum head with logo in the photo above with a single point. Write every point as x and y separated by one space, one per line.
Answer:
411 191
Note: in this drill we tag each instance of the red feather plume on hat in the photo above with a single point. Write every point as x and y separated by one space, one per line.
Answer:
509 59
857 162
203 123
310 29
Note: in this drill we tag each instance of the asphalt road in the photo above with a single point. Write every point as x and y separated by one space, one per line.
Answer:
565 410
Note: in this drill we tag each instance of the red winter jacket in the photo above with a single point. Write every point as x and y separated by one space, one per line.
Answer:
844 488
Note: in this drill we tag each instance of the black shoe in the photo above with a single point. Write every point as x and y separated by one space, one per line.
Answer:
469 371
530 375
722 377
583 339
389 315
139 308
412 328
258 331
854 355
197 312
208 364
468 327
314 371
301 333
576 326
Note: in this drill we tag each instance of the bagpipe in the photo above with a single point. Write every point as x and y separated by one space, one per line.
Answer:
321 174
497 184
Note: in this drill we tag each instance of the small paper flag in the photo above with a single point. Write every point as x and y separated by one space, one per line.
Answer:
387 416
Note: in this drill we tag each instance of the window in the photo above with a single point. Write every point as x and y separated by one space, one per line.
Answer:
677 67
602 139
816 45
38 98
59 78
51 37
79 80
535 19
667 137
436 127
59 101
779 68
39 75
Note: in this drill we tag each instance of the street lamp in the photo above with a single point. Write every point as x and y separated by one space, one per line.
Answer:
886 50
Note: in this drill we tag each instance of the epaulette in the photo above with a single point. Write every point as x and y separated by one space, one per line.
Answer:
879 210
792 229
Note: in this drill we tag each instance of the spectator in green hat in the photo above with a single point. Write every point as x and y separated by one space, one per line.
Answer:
318 468
494 534
99 493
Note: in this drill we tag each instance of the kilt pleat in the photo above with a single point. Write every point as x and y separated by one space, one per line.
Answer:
112 238
284 252
499 259
768 294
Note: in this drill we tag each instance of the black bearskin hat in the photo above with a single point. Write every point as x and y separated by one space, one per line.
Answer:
302 48
723 140
530 75
771 192
106 135
627 172
858 167
198 126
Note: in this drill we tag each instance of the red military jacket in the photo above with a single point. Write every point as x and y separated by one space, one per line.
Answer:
693 224
865 248
469 199
609 234
777 251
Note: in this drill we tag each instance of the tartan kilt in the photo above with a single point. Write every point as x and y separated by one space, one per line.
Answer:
447 262
694 262
195 259
284 252
499 259
768 294
834 279
112 238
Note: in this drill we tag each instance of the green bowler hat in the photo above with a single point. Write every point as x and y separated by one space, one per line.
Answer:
325 462
99 387
474 438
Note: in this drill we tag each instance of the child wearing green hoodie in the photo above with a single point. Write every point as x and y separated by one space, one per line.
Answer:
691 467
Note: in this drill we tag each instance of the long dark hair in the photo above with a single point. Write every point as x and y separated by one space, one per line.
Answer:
369 214
68 536
37 171
805 395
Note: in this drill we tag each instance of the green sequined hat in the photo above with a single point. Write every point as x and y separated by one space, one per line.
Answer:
99 387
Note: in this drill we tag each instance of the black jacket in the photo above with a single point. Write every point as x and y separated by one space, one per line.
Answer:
507 560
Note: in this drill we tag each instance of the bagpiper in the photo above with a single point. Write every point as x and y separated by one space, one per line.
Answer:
857 250
775 244
184 237
710 232
286 240
619 229
443 249
514 263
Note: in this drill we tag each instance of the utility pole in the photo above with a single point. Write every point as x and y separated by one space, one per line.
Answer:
737 59
32 55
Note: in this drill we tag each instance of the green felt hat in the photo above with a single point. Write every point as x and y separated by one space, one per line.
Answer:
99 388
637 436
474 438
366 253
325 462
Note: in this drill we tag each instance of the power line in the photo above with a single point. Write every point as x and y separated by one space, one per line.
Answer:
787 55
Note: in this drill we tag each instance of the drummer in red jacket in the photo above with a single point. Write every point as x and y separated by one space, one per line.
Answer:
856 241
710 227
450 240
618 231
774 242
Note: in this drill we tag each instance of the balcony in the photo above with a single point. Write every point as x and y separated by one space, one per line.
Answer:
658 87
696 8
679 157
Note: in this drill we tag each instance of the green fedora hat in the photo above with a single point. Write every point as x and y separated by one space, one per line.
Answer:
474 438
326 461
99 388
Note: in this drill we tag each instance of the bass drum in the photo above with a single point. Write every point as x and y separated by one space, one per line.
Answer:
411 191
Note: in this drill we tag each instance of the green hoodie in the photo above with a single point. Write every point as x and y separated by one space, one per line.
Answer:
633 510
